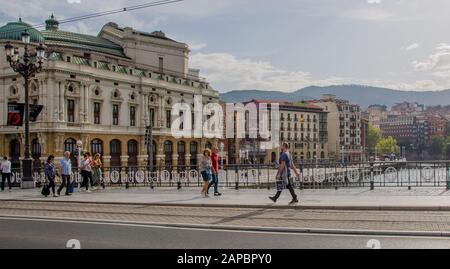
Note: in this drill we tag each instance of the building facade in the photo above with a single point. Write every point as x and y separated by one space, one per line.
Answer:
303 126
365 136
344 127
103 91
377 113
407 109
437 125
411 131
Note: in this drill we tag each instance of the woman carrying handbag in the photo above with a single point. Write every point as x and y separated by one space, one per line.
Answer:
50 174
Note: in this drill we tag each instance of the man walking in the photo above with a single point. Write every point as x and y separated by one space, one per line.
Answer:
284 174
6 173
66 171
215 171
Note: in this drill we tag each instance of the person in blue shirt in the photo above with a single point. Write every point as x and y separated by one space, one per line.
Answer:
66 171
284 174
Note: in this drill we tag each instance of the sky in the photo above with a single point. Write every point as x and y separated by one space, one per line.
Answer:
284 45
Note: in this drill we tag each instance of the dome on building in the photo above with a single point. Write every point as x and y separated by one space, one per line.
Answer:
51 24
13 31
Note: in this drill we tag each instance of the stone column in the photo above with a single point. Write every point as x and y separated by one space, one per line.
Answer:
188 159
175 160
86 103
145 111
160 157
59 144
42 137
161 116
62 100
86 142
107 161
124 160
142 160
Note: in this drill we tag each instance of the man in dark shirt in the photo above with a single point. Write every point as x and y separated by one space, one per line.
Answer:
215 171
284 173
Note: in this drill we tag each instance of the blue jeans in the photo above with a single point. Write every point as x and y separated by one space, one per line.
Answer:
215 181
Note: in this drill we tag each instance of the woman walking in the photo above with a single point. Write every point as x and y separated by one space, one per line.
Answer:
50 173
86 171
205 169
97 170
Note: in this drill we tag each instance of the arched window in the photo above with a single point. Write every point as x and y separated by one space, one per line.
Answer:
181 153
133 152
322 155
70 145
274 157
15 154
116 153
36 153
168 151
97 147
35 148
193 149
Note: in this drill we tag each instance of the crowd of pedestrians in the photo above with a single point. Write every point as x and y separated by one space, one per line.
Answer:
91 173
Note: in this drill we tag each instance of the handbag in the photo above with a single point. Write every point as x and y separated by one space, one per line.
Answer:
45 189
281 182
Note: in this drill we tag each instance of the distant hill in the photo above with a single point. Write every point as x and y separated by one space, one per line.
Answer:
362 95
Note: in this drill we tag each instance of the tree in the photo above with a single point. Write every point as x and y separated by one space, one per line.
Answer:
446 148
374 137
438 146
388 146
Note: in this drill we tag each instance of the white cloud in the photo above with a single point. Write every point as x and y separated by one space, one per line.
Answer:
197 46
74 1
439 62
374 1
227 72
412 47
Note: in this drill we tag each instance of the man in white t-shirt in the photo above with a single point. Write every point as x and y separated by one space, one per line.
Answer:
6 173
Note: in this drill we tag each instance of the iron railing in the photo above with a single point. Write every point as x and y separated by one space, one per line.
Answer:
320 174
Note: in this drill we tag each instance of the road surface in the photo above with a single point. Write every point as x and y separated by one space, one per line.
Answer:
43 234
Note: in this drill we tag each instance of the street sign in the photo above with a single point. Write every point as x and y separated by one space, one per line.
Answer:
15 114
35 110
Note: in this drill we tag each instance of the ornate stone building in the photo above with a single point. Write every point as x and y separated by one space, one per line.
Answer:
103 90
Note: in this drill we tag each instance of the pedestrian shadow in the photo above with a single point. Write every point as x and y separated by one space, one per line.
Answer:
241 216
179 201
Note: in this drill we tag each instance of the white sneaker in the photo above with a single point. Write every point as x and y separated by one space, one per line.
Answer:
88 191
10 190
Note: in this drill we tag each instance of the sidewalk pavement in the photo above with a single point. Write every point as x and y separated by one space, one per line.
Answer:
426 199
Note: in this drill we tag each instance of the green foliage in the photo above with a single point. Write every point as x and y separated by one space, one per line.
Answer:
387 146
374 136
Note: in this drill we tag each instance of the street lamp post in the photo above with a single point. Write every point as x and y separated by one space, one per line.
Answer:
317 156
79 152
27 66
222 147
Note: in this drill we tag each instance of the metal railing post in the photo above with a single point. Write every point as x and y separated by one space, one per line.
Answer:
372 183
447 176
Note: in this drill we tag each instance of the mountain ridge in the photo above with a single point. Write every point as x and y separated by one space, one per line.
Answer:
357 94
